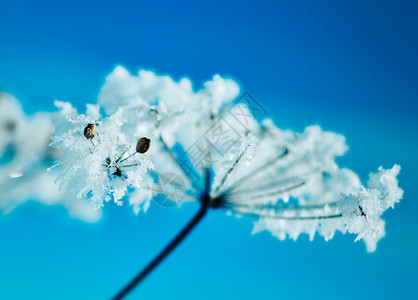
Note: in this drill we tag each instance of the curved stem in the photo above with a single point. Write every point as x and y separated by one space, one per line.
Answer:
178 163
163 254
258 170
287 218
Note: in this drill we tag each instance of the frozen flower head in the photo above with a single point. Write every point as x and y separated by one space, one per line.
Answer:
215 147
212 147
24 158
101 159
170 113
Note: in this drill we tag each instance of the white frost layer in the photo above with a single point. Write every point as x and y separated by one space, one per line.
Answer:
99 168
361 213
24 158
289 181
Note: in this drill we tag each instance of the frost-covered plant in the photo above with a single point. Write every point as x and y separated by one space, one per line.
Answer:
226 157
288 180
24 157
101 157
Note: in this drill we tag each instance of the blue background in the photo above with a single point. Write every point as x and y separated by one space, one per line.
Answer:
350 66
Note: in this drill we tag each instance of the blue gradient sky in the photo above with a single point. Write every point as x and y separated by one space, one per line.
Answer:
350 66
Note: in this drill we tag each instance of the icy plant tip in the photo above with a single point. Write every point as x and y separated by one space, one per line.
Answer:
24 158
100 161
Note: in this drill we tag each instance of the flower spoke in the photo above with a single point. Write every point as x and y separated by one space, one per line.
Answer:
258 170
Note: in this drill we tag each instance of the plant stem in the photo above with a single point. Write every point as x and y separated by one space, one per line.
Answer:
163 254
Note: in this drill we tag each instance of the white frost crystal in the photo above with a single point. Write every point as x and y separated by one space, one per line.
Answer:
288 181
362 210
161 137
24 158
210 144
101 167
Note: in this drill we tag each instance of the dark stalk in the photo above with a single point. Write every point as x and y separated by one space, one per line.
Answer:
131 165
222 182
257 195
261 168
126 158
287 218
163 254
263 186
277 207
177 162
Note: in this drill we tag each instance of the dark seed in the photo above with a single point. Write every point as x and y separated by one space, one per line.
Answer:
143 145
90 131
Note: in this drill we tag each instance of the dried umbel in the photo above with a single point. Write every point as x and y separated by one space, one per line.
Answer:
90 131
288 181
143 145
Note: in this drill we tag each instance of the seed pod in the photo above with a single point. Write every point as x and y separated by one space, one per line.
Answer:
90 131
143 145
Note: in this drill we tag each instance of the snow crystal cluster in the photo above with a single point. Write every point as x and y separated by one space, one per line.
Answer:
150 136
102 157
24 158
219 145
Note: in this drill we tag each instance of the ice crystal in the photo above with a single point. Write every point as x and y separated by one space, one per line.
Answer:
24 157
211 144
100 158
